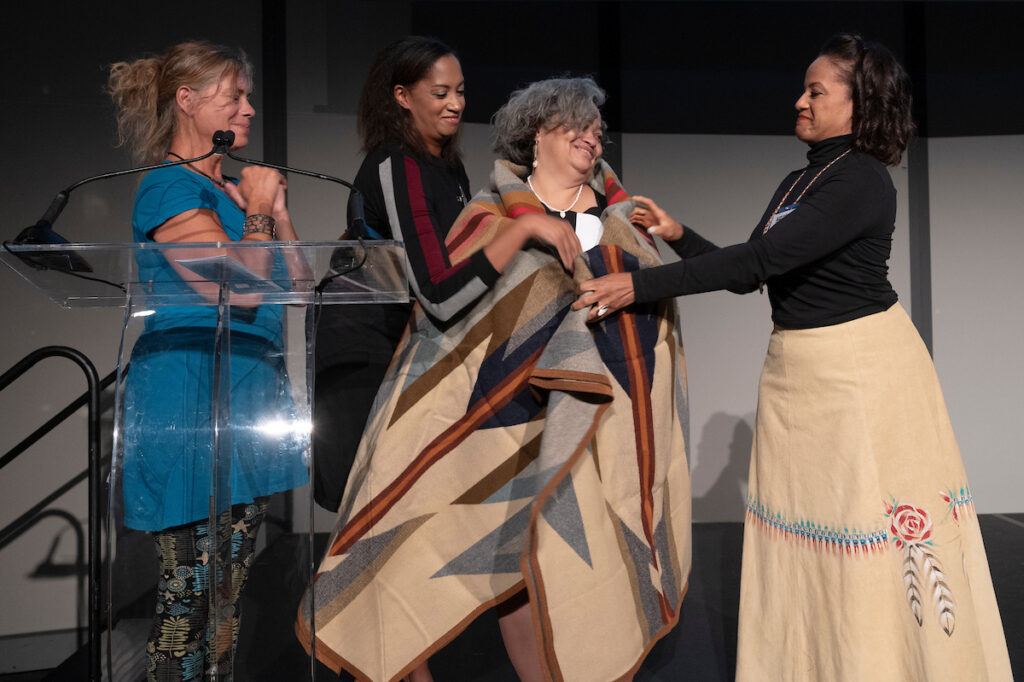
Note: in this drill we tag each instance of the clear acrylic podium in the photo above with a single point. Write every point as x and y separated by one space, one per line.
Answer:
212 420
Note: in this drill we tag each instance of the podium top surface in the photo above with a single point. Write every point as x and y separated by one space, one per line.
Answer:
155 274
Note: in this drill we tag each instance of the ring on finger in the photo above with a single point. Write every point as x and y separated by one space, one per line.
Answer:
602 310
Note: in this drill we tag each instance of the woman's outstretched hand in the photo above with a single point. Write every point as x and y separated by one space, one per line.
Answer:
648 214
605 295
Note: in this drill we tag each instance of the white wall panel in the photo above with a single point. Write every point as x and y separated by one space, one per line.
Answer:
977 239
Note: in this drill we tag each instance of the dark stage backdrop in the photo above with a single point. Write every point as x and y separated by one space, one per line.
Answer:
704 67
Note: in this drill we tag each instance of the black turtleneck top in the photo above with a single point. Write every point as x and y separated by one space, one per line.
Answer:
824 262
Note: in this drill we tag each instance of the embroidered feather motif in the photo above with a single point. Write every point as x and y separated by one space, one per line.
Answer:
913 585
911 529
944 607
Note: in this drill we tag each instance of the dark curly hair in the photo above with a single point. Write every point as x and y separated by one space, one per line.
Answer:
381 119
880 89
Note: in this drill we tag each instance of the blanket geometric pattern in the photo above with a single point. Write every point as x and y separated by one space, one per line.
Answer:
517 446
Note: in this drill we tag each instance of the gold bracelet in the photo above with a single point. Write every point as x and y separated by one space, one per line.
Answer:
260 223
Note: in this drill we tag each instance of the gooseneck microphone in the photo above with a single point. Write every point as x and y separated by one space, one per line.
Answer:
41 232
222 141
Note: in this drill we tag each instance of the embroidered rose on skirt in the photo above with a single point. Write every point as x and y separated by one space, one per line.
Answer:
911 529
909 525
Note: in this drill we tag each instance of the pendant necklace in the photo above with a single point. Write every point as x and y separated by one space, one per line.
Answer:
219 183
560 211
768 225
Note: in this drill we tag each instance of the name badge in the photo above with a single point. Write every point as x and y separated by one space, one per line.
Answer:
780 214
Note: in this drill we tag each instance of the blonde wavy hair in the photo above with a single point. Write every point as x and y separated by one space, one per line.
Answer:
144 92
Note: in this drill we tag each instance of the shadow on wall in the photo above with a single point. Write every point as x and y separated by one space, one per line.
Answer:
722 468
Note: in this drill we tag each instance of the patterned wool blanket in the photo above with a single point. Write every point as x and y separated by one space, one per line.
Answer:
518 446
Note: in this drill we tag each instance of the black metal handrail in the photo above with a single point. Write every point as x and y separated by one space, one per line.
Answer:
95 511
55 421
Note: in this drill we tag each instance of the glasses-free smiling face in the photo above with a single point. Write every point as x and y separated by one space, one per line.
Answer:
224 106
561 148
825 109
435 102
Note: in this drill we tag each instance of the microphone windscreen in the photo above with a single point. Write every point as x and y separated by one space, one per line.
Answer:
223 138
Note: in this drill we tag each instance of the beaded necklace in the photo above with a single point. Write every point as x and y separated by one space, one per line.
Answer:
561 211
782 202
219 183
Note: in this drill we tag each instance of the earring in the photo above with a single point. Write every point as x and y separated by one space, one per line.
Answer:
535 153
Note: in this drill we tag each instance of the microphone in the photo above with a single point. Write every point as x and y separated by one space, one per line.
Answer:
357 217
222 141
41 232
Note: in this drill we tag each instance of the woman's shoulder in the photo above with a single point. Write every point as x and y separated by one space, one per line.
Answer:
389 150
395 151
381 152
166 192
867 169
413 167
174 183
397 156
169 175
391 159
859 171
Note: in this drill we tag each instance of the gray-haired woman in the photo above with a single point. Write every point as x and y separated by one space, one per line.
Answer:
518 457
554 128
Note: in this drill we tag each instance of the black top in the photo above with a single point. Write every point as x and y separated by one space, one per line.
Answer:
444 188
824 263
424 196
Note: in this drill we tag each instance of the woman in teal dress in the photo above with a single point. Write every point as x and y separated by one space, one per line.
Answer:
168 109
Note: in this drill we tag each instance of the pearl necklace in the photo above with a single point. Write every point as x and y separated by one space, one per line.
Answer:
219 183
560 211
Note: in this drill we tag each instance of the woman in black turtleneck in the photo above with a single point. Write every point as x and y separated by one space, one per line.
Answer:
862 557
815 276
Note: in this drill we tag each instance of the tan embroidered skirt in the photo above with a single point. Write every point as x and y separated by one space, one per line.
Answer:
862 557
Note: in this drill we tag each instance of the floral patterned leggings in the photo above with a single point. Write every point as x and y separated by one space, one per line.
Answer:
179 641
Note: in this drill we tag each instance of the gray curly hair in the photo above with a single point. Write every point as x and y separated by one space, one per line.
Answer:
570 102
